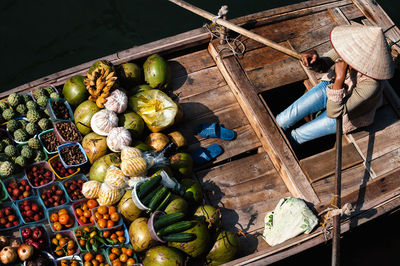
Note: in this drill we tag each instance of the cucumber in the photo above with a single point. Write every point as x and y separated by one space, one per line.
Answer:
179 237
147 186
149 196
168 219
165 202
175 228
158 197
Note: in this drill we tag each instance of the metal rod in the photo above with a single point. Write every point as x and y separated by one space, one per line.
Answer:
236 28
337 194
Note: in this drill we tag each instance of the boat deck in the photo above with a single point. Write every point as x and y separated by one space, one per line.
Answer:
259 167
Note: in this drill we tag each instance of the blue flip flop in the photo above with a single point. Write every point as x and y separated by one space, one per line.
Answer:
214 130
204 155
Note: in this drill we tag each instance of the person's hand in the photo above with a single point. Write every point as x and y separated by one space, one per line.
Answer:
308 58
340 69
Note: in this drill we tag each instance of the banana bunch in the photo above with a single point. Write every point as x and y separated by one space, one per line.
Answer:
99 83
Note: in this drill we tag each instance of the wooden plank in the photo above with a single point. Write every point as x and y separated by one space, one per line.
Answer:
321 165
386 163
197 82
189 63
265 128
352 179
244 190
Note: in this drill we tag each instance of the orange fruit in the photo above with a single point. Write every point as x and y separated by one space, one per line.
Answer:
112 209
88 257
102 223
92 219
114 236
112 256
57 226
102 209
116 263
54 217
92 203
62 211
83 220
100 258
106 234
84 207
116 251
64 219
87 214
120 233
70 224
123 258
79 212
121 239
98 215
129 252
106 216
130 262
114 217
110 224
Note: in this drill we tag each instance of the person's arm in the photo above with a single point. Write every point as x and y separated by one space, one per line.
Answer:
312 60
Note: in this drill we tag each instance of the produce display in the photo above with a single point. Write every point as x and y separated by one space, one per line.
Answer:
95 174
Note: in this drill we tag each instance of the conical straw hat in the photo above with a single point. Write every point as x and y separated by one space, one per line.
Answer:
365 49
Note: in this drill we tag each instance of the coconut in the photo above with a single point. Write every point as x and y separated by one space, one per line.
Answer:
127 208
163 256
177 204
225 249
182 164
75 91
83 114
193 190
157 141
133 122
130 75
99 168
199 245
95 146
101 63
139 235
157 72
209 215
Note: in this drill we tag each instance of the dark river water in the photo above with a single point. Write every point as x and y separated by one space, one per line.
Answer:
41 37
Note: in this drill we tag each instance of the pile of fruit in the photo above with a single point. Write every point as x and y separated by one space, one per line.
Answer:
134 200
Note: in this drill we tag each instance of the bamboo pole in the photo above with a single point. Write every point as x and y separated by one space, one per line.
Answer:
337 194
236 28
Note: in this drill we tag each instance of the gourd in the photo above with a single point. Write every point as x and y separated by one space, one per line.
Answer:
134 166
109 195
91 189
118 138
115 177
130 152
103 122
117 102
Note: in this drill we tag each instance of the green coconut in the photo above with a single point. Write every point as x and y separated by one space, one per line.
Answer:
193 190
139 88
130 75
141 145
177 204
99 167
127 207
83 114
224 250
157 72
163 256
133 122
95 146
199 245
101 63
182 164
139 235
75 91
209 215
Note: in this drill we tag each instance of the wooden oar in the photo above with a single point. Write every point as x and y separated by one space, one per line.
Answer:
236 28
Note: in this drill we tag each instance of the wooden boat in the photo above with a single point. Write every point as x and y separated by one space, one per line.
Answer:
244 93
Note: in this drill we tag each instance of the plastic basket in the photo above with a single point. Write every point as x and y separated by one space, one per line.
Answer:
134 256
55 210
61 138
75 177
72 144
63 233
17 178
150 225
69 258
81 228
3 192
117 225
100 251
126 235
45 188
39 164
41 142
53 116
36 200
16 213
76 205
55 157
46 236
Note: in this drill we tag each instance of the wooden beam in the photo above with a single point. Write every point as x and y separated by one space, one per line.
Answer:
265 128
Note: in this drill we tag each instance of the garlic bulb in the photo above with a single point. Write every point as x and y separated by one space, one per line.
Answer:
91 189
117 138
117 102
130 152
103 121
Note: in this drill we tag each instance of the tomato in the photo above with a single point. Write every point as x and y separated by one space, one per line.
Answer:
112 210
92 203
114 217
64 219
88 256
102 210
110 224
102 223
53 217
62 211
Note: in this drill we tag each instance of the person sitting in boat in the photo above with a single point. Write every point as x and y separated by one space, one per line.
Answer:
353 88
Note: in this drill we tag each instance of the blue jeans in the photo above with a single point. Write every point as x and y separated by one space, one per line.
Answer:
312 101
